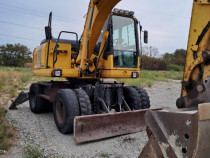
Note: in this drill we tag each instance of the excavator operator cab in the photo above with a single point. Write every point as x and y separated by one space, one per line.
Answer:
123 42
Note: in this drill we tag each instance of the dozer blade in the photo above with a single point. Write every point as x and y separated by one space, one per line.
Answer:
94 127
178 134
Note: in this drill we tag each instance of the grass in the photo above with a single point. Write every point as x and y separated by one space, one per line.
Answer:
147 78
104 155
6 131
19 69
33 152
13 79
174 67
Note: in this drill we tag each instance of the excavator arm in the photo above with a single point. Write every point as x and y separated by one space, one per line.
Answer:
197 67
185 132
98 12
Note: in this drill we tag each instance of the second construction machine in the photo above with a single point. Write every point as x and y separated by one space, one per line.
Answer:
108 48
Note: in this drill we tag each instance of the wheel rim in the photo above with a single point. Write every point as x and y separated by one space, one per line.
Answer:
60 111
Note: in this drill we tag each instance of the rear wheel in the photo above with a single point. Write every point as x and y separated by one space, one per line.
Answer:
144 98
132 98
84 102
38 104
65 108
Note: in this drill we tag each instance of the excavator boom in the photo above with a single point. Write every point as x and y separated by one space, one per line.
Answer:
97 14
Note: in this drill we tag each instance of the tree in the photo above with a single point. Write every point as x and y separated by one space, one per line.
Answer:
180 52
150 51
153 63
168 57
178 57
14 55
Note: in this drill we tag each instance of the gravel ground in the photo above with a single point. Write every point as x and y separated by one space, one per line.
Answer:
40 131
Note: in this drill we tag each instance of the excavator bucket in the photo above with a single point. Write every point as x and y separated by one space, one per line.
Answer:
181 133
94 127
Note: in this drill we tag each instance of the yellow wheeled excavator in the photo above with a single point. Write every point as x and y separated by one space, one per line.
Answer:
108 48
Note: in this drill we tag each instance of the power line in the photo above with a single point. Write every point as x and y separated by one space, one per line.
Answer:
44 17
26 26
13 6
41 15
20 11
18 37
35 11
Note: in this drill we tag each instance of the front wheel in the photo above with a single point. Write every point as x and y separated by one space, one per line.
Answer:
65 108
84 102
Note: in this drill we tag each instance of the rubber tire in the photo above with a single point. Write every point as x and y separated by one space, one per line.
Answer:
84 102
37 104
145 102
132 98
71 104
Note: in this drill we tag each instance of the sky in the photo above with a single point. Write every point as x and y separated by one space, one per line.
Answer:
23 21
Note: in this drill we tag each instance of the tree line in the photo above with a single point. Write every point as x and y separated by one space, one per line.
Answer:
151 60
15 55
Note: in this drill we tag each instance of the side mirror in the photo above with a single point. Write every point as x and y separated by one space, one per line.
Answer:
48 29
145 36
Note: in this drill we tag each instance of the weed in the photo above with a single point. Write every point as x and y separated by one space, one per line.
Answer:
12 91
25 77
33 152
104 155
150 84
1 84
6 131
59 157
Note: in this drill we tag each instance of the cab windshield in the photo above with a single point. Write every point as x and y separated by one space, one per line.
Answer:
124 42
